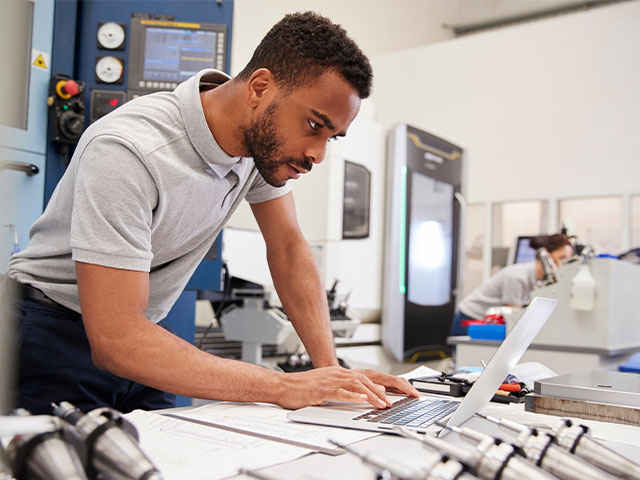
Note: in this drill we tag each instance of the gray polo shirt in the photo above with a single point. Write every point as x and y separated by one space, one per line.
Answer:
510 286
148 189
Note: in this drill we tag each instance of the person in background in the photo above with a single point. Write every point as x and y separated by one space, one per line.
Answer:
512 285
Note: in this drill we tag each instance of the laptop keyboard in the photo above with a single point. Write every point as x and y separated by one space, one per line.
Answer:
411 412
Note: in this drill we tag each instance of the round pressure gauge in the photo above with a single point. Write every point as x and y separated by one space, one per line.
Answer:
109 69
111 36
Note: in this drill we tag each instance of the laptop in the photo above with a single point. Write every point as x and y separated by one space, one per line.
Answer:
418 414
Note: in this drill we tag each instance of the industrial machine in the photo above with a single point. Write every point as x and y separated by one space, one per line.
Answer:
66 109
423 243
23 118
250 319
255 323
606 320
71 63
27 29
121 50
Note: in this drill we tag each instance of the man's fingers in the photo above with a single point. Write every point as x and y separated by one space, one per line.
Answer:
378 390
356 384
357 381
404 386
343 395
391 381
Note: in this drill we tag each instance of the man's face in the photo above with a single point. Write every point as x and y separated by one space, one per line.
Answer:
290 134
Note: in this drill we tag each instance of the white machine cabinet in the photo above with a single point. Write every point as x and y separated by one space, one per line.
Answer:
614 322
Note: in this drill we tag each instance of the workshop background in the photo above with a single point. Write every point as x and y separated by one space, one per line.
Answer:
541 96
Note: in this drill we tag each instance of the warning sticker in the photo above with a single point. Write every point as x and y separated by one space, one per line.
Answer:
40 60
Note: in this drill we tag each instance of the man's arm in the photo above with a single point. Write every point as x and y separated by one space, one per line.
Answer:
126 343
296 277
299 286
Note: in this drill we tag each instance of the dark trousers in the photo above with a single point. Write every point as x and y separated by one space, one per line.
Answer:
54 364
456 326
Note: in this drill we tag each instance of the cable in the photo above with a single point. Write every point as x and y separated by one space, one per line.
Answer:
64 153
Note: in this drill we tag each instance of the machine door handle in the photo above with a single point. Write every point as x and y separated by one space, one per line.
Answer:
28 168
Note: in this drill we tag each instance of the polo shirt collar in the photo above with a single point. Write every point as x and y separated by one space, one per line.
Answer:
196 125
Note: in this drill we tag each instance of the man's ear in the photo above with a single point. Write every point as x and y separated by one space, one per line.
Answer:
261 87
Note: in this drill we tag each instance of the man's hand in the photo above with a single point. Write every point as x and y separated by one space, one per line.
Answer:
341 385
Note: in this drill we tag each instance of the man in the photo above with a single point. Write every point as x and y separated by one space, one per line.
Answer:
147 191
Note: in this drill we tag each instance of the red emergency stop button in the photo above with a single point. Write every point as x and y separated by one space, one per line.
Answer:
71 88
67 89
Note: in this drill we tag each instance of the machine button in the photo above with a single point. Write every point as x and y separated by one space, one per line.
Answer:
71 125
66 89
71 88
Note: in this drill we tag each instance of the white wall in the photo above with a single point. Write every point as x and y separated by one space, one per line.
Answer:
544 110
376 25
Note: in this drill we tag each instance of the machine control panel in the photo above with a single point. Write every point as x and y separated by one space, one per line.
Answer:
164 53
110 70
66 109
103 102
111 35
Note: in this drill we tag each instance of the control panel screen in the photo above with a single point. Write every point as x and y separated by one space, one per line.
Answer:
164 53
173 55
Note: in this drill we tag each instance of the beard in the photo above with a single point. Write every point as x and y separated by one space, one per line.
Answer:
261 140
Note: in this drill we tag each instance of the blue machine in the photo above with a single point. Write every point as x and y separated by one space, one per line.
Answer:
112 45
113 52
23 122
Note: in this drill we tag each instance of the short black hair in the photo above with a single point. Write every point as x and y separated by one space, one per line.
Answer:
302 46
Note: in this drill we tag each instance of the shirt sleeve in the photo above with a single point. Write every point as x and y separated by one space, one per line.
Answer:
514 291
114 199
261 191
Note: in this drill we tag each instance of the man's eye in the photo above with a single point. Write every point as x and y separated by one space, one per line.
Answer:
315 125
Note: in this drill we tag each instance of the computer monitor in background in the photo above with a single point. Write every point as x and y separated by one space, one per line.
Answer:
524 251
